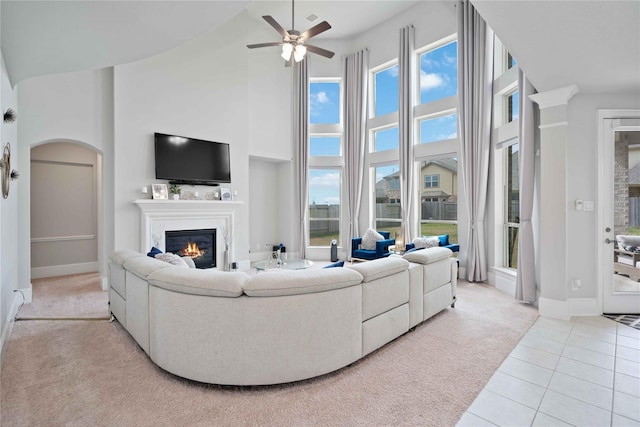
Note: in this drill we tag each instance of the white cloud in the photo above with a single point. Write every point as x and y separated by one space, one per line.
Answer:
322 98
393 71
329 179
431 80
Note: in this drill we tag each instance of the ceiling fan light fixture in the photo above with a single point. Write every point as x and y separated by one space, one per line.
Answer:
299 52
287 49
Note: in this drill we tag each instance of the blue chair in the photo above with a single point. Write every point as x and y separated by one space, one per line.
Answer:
381 250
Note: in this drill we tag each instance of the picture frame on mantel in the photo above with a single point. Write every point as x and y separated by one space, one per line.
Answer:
225 194
160 192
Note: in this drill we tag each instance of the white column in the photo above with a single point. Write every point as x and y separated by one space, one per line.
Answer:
554 136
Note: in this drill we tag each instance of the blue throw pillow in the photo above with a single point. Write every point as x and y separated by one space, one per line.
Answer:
336 264
153 252
444 239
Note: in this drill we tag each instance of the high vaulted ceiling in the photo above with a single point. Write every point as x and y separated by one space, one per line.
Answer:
593 44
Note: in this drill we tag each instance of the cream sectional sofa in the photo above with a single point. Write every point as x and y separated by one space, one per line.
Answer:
274 327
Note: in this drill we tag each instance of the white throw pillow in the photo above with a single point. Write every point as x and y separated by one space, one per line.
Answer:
426 242
370 238
172 259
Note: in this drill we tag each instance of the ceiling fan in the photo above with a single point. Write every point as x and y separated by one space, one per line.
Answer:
293 42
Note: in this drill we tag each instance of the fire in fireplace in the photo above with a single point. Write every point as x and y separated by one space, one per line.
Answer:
200 245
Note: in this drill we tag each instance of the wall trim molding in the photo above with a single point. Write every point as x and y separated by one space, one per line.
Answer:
64 270
564 310
16 302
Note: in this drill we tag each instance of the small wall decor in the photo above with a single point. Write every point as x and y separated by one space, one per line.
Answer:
10 115
8 174
160 191
225 194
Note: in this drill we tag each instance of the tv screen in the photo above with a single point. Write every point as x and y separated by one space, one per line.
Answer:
191 161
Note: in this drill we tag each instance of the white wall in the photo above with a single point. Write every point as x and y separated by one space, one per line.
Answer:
9 301
198 90
72 107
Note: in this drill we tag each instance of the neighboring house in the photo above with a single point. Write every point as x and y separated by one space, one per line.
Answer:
388 189
439 180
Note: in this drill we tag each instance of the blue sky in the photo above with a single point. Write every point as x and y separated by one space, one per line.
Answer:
438 79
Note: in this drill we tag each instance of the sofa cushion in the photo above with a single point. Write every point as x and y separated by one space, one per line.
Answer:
194 281
379 268
120 256
142 266
369 239
428 255
288 282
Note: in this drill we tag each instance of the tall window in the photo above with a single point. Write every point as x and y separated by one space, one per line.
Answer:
512 107
386 90
512 205
439 197
387 198
324 206
325 161
439 73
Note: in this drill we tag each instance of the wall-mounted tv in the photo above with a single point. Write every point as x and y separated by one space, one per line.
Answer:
192 161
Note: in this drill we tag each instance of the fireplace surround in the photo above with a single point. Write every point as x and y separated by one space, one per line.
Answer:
159 216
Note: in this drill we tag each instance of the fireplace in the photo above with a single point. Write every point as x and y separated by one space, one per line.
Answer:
200 245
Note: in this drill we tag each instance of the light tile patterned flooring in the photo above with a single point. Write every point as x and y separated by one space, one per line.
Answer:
585 372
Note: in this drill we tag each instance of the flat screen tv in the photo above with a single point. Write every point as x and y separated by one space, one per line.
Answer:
191 161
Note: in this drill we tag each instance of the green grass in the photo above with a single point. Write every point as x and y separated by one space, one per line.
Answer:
426 229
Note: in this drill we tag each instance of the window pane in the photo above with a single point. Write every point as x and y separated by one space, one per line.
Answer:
512 102
512 247
386 139
387 192
324 206
513 184
324 146
439 190
439 73
434 228
386 91
439 128
324 102
393 227
510 61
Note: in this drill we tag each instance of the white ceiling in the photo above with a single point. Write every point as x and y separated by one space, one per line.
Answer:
594 44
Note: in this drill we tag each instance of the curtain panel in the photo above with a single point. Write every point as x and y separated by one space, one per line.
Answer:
355 76
405 129
300 140
475 98
526 279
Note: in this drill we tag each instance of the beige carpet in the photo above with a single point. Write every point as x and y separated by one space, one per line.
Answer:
76 296
82 373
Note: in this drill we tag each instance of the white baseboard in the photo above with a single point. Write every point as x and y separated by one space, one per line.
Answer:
564 310
503 279
64 270
104 283
17 300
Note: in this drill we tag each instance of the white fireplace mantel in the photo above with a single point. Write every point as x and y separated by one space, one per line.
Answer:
158 216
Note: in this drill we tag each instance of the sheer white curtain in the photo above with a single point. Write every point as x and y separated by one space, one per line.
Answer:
405 128
475 94
301 146
355 76
526 280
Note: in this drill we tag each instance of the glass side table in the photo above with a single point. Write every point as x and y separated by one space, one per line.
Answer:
290 264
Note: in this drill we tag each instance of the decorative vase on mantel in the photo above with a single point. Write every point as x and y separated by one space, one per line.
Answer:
226 265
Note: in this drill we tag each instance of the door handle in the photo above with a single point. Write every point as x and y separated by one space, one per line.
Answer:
608 240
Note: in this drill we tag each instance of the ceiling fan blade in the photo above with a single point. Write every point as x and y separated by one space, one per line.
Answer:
320 51
315 30
253 46
275 25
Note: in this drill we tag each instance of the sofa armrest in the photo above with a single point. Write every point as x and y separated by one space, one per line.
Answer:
355 244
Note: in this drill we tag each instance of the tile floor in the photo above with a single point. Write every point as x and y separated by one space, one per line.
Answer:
585 372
